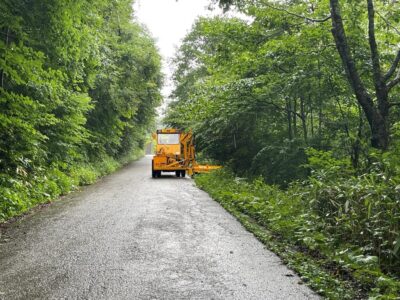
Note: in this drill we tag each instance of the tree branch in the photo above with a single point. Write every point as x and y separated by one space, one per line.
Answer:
297 15
347 59
396 61
376 65
388 23
260 105
394 82
377 117
393 67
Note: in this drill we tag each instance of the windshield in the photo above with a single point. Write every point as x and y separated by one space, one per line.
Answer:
168 138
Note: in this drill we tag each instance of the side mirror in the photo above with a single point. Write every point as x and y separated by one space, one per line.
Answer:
154 136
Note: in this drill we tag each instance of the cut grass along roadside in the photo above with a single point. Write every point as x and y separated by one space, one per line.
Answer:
18 195
288 222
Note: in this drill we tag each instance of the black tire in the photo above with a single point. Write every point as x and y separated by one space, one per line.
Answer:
153 173
183 173
178 173
158 174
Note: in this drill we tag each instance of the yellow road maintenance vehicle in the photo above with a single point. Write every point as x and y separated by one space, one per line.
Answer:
175 152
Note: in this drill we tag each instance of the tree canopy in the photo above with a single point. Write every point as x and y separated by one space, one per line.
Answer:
79 83
78 80
281 82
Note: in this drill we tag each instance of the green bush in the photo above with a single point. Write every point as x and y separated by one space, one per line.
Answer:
85 174
281 164
18 195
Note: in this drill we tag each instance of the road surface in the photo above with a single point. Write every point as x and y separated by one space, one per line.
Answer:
133 237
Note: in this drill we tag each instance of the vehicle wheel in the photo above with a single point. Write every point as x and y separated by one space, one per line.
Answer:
178 173
158 173
153 173
183 173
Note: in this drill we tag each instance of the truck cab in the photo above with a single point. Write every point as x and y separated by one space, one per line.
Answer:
168 156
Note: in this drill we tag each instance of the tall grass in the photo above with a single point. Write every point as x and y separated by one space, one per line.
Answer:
348 223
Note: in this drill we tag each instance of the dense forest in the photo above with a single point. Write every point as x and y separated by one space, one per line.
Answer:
300 100
79 83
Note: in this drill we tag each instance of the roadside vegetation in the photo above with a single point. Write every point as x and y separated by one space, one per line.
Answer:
339 233
299 101
79 81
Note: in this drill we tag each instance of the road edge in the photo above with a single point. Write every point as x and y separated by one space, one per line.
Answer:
310 270
4 224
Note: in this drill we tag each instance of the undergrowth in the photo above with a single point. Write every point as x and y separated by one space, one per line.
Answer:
341 236
19 194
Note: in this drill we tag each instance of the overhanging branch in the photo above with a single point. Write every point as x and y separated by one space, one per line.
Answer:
393 67
297 15
376 65
394 82
388 23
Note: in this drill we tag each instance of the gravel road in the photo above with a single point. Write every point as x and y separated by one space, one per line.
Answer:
133 237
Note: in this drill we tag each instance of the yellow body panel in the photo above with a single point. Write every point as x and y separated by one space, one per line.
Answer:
168 149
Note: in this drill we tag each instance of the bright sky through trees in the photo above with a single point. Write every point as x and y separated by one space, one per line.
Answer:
168 22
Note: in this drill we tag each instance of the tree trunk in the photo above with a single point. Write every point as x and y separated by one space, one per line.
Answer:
2 71
294 117
303 119
289 119
356 147
319 101
377 117
311 115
